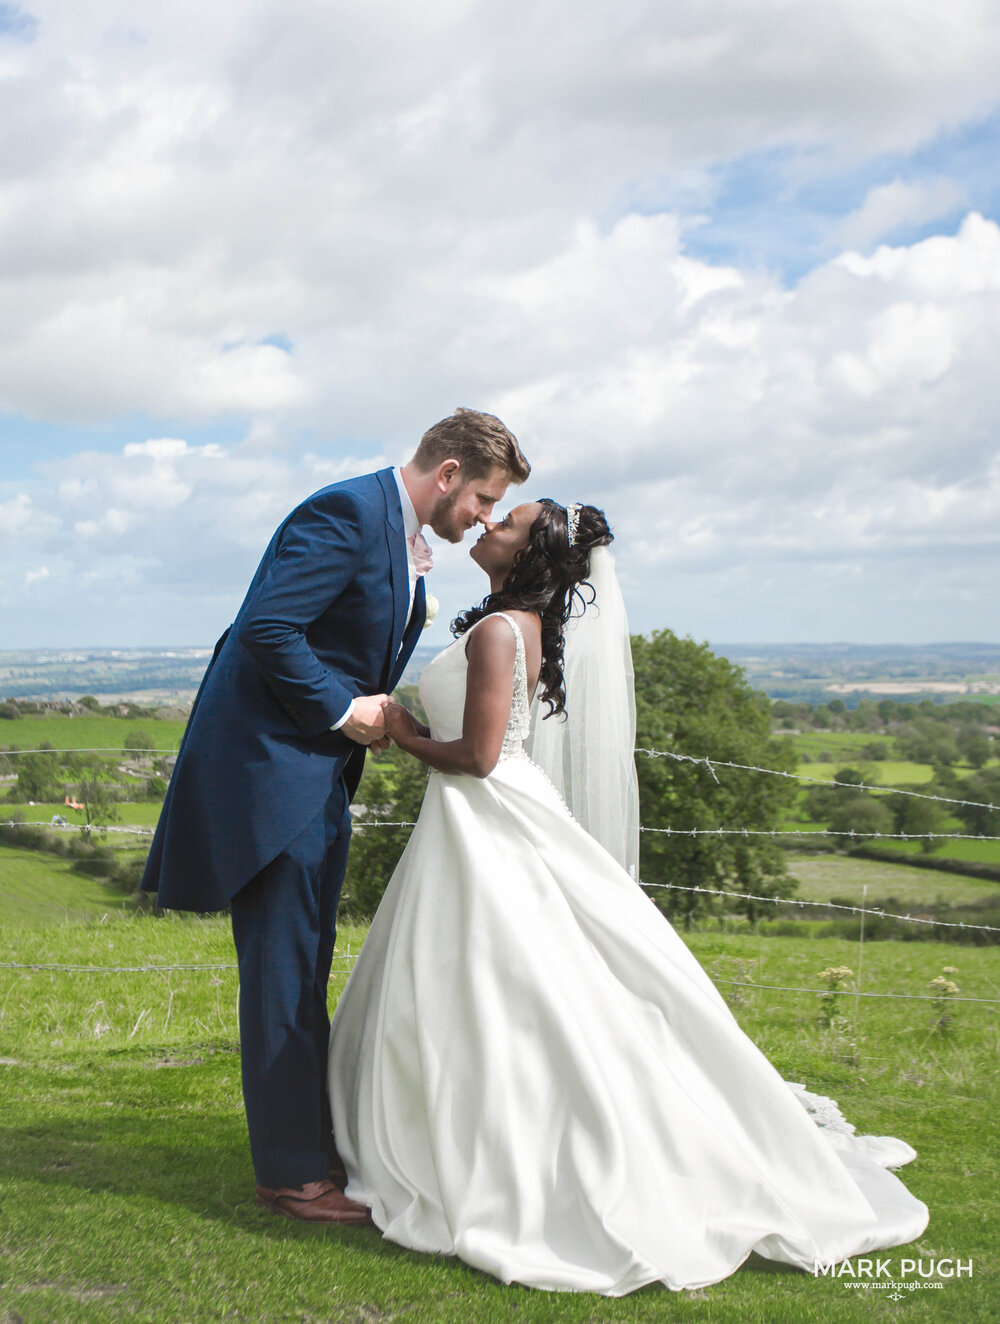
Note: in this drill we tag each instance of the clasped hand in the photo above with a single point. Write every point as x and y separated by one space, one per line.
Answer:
366 724
376 720
399 721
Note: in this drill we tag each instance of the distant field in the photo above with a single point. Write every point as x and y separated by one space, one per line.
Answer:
141 814
886 772
821 877
898 773
842 747
98 731
838 744
981 852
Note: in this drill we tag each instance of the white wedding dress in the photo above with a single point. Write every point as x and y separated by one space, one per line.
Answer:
529 1069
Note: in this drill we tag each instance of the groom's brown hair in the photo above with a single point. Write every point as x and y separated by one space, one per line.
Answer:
478 441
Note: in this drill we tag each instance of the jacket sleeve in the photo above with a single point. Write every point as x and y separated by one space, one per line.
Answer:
318 553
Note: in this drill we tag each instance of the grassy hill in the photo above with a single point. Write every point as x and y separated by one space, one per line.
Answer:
37 889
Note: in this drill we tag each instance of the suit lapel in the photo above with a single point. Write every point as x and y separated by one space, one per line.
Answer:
412 634
398 571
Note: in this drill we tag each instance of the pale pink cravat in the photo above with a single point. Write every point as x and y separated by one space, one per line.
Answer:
420 550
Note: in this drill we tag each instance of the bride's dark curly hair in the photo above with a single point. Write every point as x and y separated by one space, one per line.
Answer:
548 576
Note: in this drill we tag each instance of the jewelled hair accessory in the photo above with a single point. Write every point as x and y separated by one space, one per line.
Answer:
572 521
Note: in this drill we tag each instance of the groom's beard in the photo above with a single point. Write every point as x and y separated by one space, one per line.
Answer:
443 519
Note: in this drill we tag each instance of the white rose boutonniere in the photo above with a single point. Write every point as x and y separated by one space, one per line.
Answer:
431 606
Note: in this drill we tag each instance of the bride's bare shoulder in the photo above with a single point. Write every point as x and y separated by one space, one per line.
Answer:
490 634
529 623
494 632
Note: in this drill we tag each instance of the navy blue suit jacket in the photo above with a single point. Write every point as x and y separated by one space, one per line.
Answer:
322 622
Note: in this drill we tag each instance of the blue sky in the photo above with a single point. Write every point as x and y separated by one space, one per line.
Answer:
730 270
771 212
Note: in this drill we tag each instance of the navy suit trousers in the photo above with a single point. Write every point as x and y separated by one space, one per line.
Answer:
284 926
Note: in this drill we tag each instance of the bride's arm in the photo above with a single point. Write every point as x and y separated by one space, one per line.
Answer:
488 696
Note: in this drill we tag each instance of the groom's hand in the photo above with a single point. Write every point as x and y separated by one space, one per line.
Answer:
366 724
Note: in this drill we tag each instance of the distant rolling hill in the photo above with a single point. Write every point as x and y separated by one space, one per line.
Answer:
815 673
144 675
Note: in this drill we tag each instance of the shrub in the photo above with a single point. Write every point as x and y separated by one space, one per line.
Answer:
138 742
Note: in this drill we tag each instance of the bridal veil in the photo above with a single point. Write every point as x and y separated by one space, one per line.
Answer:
590 755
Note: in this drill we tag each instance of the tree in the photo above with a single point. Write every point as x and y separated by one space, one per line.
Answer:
37 777
925 740
861 813
973 745
689 701
138 742
865 717
915 817
846 806
822 802
100 798
876 750
983 787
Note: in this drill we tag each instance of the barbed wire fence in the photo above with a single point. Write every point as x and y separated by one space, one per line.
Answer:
345 961
109 753
704 760
711 764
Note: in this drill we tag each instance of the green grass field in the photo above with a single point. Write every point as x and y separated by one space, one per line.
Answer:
896 772
982 852
128 1190
838 744
885 772
821 877
37 888
139 813
95 731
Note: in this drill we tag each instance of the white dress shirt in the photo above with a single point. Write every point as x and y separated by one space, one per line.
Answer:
411 525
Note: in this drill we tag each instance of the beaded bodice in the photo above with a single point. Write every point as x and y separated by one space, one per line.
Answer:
442 688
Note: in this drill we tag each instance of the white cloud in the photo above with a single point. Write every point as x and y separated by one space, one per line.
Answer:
16 515
888 207
907 342
189 182
938 267
737 433
338 223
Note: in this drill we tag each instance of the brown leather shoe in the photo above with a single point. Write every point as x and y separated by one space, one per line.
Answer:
316 1202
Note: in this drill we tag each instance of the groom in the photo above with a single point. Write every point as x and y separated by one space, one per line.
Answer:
257 816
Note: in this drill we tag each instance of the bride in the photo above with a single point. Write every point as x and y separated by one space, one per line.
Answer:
528 1067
